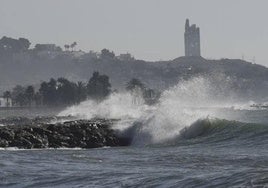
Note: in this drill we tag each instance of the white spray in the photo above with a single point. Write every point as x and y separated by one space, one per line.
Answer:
179 107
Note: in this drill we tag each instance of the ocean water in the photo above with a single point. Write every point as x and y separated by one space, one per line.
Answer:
194 137
227 154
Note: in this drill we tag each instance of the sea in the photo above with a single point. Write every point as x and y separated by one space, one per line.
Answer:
190 138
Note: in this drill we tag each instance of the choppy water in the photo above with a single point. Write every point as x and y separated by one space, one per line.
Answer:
192 138
226 154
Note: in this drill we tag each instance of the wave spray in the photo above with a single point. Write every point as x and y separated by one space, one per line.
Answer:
179 107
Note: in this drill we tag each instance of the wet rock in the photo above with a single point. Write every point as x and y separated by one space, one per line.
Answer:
37 120
21 142
70 134
6 134
3 143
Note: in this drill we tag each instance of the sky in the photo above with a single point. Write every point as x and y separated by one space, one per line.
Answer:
148 29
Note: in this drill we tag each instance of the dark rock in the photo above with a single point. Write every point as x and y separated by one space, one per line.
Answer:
6 134
80 133
3 143
38 120
21 143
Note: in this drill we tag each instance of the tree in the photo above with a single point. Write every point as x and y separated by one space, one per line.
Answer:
30 94
66 91
52 86
61 92
106 54
73 45
139 91
9 46
66 46
38 98
136 87
133 84
151 96
24 43
18 95
98 87
44 92
81 92
7 96
48 90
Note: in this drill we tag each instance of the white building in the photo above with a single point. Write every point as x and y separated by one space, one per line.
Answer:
126 57
5 103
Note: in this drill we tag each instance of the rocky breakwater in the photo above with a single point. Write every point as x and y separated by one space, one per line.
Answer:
69 134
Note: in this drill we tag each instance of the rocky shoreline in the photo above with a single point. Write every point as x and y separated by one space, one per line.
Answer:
25 133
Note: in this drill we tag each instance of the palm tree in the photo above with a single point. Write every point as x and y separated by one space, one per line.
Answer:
66 46
73 45
81 91
30 94
134 83
137 88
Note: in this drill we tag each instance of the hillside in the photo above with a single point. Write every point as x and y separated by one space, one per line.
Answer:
31 66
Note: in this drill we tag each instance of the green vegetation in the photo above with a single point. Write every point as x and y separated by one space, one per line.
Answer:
98 87
64 92
138 89
60 92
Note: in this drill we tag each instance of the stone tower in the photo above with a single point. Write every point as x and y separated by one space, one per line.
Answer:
192 40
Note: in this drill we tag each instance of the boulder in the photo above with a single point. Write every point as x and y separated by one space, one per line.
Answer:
79 133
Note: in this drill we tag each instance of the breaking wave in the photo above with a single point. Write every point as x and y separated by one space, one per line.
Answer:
220 130
186 111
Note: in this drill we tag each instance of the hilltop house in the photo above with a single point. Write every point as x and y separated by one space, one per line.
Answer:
126 57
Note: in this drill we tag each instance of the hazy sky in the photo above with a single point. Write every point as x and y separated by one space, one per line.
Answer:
148 29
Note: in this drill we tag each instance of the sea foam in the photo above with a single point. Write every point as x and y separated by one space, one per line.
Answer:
179 107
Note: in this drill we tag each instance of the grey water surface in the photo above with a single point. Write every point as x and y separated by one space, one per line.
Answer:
227 154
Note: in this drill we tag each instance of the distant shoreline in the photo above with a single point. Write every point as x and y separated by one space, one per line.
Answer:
31 107
30 111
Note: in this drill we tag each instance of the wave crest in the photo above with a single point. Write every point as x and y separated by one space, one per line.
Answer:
183 111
